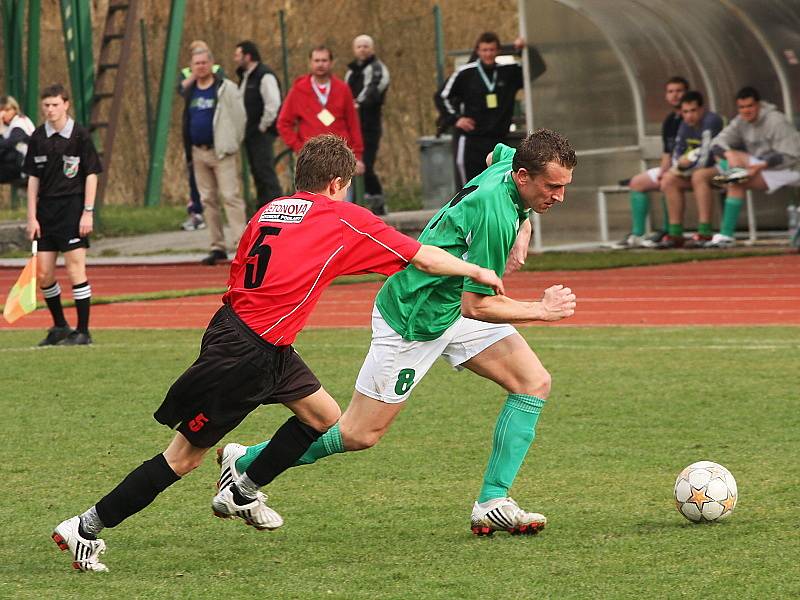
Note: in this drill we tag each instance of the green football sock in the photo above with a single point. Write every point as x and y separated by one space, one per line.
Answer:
328 443
665 212
513 435
704 228
640 205
675 229
730 216
249 456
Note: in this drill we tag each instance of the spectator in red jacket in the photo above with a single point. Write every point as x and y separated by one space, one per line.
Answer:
320 103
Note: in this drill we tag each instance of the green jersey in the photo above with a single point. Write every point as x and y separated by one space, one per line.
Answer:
478 225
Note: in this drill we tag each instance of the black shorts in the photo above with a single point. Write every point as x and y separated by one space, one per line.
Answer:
236 372
59 220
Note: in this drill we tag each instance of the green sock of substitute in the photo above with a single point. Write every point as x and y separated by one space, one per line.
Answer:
730 215
640 205
328 443
675 229
665 212
513 435
704 228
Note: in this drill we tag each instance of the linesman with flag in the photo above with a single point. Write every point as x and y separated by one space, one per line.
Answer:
62 166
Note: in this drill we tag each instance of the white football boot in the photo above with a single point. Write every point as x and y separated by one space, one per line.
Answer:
503 514
85 552
226 459
720 240
256 513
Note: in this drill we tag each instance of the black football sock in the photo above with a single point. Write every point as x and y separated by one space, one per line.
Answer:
136 491
52 296
82 294
287 445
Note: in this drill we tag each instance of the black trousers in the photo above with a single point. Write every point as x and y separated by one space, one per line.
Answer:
262 165
469 155
372 139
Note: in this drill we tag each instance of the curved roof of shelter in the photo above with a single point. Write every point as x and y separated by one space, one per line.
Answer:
720 45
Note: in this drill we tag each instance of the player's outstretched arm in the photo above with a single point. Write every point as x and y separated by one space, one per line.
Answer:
558 302
436 261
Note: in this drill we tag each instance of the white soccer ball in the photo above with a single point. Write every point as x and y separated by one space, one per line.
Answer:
705 491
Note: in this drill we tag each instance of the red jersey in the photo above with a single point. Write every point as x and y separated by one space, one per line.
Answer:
294 247
298 120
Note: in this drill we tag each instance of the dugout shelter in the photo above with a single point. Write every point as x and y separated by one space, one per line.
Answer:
607 61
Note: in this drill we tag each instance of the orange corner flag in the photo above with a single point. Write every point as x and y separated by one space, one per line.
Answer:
22 297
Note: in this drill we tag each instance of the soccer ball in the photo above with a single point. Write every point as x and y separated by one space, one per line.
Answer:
705 491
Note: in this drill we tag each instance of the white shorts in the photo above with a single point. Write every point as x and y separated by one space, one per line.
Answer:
654 173
777 178
774 178
394 366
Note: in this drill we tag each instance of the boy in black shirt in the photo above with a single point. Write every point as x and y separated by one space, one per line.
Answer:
62 166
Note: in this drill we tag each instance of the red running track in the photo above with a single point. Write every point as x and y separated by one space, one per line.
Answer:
742 291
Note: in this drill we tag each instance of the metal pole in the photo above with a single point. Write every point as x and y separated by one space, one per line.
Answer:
245 168
69 25
148 105
284 51
31 101
13 21
524 33
165 95
7 10
19 69
83 18
286 82
439 38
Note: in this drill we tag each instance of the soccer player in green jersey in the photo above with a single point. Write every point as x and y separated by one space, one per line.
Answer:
419 317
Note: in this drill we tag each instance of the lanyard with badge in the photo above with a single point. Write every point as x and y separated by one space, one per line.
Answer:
491 97
324 115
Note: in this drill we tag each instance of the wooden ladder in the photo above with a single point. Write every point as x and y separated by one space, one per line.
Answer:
112 64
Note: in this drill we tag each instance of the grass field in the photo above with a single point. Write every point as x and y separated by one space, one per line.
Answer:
629 409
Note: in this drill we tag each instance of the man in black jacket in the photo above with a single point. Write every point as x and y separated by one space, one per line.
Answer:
262 102
478 102
368 79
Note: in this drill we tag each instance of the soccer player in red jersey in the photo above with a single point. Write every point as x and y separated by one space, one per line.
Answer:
290 252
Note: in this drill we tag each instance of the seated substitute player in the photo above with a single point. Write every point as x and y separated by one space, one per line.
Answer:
691 155
62 166
292 249
419 317
762 149
650 180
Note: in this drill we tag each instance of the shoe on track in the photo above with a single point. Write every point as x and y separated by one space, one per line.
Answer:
654 239
630 241
226 459
256 513
214 257
671 242
84 552
720 241
698 240
503 514
55 335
